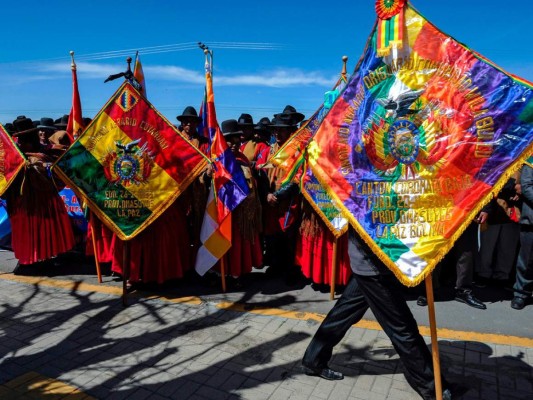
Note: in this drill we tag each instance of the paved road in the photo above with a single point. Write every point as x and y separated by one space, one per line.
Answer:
66 336
499 318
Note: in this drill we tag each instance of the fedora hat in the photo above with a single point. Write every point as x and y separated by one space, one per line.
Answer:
23 125
189 112
46 124
61 123
246 120
295 115
231 127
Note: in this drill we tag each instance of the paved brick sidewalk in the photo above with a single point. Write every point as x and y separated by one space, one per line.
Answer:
155 349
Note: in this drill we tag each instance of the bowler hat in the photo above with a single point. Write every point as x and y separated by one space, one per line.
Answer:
282 121
231 127
262 126
23 125
9 128
62 122
189 112
46 124
246 120
295 115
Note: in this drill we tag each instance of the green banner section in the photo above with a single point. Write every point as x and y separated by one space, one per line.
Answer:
119 205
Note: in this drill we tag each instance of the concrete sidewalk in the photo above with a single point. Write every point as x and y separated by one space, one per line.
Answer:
63 339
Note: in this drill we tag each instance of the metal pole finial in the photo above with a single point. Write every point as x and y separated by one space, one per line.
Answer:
344 61
72 63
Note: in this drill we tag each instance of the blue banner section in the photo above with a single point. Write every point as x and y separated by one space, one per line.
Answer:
5 227
74 209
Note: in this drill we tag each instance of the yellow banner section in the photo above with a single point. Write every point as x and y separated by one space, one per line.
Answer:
102 143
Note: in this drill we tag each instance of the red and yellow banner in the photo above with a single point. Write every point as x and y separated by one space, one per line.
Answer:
130 163
11 160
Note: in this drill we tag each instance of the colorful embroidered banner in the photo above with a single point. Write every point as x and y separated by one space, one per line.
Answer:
418 142
323 204
130 163
11 160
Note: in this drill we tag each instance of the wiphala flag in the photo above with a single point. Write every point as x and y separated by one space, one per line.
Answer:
130 163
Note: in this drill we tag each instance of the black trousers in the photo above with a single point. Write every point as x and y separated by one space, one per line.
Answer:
382 295
465 252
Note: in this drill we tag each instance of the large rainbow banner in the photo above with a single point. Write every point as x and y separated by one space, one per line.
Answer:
418 142
130 163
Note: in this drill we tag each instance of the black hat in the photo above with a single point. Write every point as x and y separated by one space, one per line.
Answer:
46 124
23 125
262 126
35 123
9 128
62 122
291 111
246 120
189 112
231 127
282 121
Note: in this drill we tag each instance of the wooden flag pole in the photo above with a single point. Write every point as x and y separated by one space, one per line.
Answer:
96 260
223 274
434 342
333 277
125 271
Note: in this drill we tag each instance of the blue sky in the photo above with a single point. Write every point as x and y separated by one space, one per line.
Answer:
267 54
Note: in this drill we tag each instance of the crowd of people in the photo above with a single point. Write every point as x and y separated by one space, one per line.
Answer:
274 227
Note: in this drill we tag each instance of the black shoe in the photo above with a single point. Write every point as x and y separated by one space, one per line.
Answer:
422 301
325 373
466 296
518 303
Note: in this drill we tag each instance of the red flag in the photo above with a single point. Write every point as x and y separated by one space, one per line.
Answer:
75 119
138 74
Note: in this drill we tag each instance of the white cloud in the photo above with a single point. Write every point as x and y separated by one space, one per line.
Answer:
277 78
